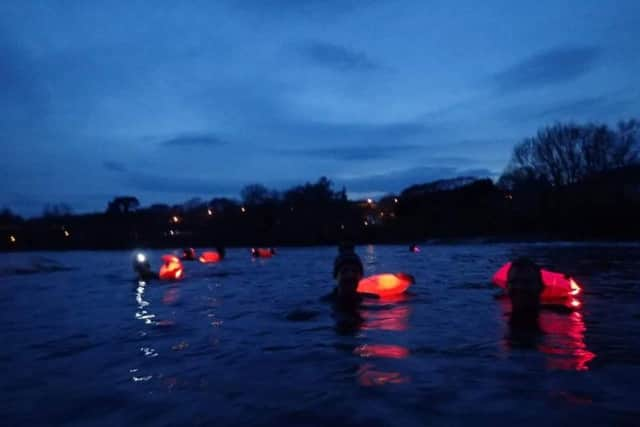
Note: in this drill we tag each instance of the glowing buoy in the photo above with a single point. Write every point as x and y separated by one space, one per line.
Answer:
556 285
414 249
262 252
171 269
388 284
210 257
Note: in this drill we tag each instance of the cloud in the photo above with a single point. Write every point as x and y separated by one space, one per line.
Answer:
354 133
189 186
395 181
350 153
554 66
601 107
204 140
337 57
114 166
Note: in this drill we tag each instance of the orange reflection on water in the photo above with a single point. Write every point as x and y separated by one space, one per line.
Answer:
389 351
393 319
171 296
368 376
565 341
559 335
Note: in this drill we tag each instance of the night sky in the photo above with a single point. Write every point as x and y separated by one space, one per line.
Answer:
172 100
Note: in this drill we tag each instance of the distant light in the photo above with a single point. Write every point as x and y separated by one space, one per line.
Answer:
342 226
381 213
171 232
12 238
141 258
366 223
209 212
395 200
175 219
370 201
508 197
66 233
243 209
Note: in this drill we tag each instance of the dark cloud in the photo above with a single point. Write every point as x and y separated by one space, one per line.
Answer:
188 186
359 132
554 66
114 166
357 153
597 108
337 57
398 180
205 140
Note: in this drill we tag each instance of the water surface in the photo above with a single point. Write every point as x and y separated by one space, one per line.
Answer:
248 342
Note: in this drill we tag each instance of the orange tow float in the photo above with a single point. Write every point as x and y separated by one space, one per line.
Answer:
262 252
556 285
171 269
386 285
209 257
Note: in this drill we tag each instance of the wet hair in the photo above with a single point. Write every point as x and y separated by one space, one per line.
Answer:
346 256
526 264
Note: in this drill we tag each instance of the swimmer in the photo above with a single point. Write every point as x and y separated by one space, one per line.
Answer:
524 286
142 268
221 251
189 254
347 271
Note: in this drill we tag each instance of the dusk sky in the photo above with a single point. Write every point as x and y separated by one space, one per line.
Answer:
172 100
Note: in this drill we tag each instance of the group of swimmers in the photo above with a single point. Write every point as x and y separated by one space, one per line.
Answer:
524 280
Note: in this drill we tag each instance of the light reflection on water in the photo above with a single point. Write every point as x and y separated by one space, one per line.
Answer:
219 348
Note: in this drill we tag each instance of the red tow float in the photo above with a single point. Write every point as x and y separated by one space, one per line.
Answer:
262 252
386 285
556 285
209 257
171 269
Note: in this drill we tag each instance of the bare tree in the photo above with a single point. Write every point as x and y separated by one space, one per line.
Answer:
564 154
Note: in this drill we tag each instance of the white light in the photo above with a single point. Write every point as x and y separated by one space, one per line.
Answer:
141 258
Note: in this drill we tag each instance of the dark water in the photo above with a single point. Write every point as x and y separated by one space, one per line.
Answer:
247 342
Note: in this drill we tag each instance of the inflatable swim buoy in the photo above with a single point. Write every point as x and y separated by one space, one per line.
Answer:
209 257
262 252
556 285
171 269
388 284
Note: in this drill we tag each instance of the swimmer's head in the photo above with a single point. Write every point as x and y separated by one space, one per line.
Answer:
347 270
188 254
221 251
524 285
141 264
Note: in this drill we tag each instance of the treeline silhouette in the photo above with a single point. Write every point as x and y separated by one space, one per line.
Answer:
568 182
